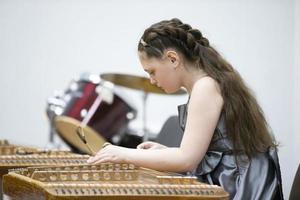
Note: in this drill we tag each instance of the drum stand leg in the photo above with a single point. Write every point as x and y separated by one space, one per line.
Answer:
52 133
145 131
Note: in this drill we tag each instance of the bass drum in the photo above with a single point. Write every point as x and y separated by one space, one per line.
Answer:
92 104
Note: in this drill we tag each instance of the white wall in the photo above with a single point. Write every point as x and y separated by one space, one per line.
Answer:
296 94
45 43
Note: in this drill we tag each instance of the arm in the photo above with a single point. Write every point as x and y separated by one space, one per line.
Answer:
150 145
203 114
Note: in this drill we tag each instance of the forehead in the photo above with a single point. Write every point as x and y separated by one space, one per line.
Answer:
143 57
145 60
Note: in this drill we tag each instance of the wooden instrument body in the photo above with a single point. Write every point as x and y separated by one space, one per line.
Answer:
105 181
15 156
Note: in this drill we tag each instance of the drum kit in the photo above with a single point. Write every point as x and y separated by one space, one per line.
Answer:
90 112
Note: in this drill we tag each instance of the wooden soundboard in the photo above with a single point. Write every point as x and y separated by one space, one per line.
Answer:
105 181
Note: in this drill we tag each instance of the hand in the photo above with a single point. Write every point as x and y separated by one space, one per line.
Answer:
150 145
110 153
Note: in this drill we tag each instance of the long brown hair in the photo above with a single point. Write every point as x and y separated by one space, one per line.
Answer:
245 123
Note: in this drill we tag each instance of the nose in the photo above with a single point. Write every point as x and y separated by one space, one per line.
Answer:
152 81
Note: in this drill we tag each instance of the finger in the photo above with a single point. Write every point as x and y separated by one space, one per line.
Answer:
95 158
140 146
92 159
103 150
104 160
98 153
149 145
145 145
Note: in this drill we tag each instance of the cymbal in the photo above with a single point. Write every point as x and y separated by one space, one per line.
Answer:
135 82
67 128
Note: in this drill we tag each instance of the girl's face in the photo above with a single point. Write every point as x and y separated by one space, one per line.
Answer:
162 72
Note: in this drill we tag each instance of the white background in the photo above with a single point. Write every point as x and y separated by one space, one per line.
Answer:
46 43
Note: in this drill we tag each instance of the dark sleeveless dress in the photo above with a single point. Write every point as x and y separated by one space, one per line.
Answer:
255 179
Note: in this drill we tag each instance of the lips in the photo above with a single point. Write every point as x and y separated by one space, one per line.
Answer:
161 87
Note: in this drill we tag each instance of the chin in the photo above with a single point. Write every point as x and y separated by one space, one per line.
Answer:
169 91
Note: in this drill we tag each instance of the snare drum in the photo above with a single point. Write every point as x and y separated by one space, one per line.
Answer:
92 104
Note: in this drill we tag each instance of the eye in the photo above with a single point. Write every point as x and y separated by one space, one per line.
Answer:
151 73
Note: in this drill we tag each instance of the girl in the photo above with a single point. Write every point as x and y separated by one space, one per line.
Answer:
226 138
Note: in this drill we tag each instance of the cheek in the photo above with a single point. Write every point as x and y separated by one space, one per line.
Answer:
172 82
162 77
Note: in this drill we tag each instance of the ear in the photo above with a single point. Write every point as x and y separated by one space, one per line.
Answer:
173 57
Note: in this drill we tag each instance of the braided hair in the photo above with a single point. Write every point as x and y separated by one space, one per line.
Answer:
246 125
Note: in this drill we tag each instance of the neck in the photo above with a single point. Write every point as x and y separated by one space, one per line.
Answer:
191 76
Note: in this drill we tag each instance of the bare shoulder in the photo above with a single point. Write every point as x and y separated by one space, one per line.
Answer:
206 84
207 89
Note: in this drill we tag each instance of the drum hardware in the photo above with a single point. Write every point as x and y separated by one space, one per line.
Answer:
81 135
55 106
91 103
91 111
138 83
105 89
68 128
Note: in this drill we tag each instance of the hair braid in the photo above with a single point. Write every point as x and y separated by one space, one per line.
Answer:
181 35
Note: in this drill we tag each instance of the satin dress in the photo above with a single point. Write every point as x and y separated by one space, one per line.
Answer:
255 179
